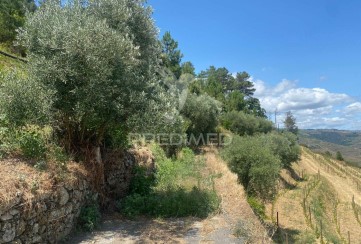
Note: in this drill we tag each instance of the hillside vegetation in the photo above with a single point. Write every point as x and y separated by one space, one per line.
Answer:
346 142
98 79
318 191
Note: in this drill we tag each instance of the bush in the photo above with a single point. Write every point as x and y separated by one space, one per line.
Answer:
142 183
24 101
202 113
245 124
339 156
174 202
32 145
89 217
284 145
256 165
176 190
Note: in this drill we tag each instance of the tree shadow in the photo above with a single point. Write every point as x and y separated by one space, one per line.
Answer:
117 229
295 175
284 235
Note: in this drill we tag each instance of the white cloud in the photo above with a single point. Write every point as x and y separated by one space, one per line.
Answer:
353 108
313 107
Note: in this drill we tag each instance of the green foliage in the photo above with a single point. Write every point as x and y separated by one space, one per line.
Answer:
24 101
243 84
322 204
142 183
245 124
285 146
257 206
255 163
12 16
176 191
99 59
32 144
235 101
176 202
328 154
217 81
171 56
89 217
339 156
202 114
188 68
290 123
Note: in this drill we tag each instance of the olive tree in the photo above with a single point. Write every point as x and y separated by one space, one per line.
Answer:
98 58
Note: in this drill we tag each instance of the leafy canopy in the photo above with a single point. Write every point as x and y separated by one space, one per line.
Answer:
98 58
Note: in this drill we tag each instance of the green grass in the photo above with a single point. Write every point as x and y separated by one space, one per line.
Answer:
322 202
177 189
6 63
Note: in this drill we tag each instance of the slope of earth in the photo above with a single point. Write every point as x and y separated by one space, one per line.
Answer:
7 63
328 194
235 213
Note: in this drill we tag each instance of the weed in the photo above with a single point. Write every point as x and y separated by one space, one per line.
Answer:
32 145
89 217
257 206
176 190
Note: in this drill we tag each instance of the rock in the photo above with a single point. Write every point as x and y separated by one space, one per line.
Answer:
41 207
14 212
64 196
36 228
21 228
77 195
42 229
36 239
6 216
9 234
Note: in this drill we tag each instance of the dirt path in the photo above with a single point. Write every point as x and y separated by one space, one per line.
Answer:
235 214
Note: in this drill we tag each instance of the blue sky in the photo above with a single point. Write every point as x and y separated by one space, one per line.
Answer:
303 56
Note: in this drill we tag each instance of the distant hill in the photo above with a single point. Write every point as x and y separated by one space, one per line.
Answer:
347 142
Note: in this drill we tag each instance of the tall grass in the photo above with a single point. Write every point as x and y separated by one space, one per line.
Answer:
177 189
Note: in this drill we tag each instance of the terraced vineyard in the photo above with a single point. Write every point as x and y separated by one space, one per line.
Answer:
321 202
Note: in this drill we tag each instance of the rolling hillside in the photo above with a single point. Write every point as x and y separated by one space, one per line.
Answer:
320 193
347 142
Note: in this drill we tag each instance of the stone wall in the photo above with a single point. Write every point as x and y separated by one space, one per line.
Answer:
51 216
118 169
47 219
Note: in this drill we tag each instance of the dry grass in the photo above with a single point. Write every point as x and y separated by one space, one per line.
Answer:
20 181
234 205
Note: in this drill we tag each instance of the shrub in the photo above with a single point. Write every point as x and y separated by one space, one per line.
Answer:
173 202
202 114
339 156
245 124
176 190
32 145
142 183
256 165
89 217
284 145
24 101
